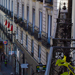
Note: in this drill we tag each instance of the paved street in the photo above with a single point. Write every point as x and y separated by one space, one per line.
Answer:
6 70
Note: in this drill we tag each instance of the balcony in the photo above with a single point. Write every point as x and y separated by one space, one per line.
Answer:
37 36
3 9
45 40
15 19
32 54
49 1
40 0
21 24
9 36
6 11
11 14
30 29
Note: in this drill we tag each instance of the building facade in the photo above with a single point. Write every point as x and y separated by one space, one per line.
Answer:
28 25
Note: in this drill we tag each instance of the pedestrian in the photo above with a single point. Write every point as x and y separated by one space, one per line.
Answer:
6 62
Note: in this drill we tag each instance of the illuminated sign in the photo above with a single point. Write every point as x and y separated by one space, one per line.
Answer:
0 46
5 42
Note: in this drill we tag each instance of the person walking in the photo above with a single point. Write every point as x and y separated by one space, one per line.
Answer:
6 62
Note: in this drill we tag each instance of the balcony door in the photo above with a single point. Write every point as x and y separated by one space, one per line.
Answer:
9 4
17 10
49 27
39 51
12 6
21 37
33 18
22 11
40 23
27 42
6 3
27 16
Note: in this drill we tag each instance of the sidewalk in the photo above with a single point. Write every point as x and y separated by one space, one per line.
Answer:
6 70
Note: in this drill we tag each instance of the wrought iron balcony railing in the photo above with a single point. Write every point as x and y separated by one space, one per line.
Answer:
44 39
40 0
9 36
9 13
15 19
37 36
6 11
30 29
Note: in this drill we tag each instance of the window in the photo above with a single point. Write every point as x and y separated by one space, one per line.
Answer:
6 3
22 11
17 30
32 48
17 33
33 18
9 4
27 42
49 27
12 6
17 10
27 15
21 37
40 21
39 51
46 56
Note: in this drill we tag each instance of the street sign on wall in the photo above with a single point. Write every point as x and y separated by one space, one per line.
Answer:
24 65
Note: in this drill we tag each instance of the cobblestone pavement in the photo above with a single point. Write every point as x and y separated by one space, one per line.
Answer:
6 70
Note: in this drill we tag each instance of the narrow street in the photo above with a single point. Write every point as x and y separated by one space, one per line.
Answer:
6 70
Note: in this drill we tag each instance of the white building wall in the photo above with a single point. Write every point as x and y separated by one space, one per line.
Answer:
30 11
15 9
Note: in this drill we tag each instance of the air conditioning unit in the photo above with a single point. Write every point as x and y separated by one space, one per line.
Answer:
21 41
39 60
17 37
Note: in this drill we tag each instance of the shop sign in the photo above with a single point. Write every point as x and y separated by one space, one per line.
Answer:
11 52
5 42
40 68
24 65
